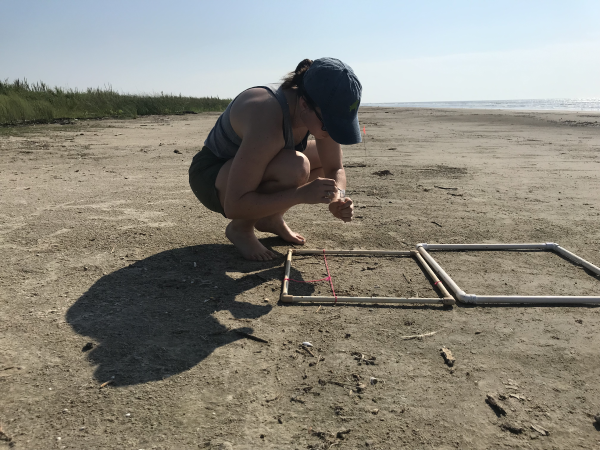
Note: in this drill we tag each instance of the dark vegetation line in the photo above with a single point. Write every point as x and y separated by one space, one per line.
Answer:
21 102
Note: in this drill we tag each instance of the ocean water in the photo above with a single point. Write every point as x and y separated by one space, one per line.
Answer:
553 104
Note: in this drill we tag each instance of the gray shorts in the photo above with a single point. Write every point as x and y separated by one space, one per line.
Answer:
203 176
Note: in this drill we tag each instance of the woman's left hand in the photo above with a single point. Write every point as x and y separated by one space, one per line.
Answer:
342 208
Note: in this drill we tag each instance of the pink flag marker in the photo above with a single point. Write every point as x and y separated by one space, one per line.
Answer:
365 131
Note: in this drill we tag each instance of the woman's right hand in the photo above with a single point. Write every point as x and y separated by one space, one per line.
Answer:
320 190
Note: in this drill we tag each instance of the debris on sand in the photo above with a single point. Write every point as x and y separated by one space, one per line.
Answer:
321 434
87 347
360 388
5 437
363 359
512 427
177 151
327 438
319 359
383 173
373 381
268 400
498 409
341 434
446 188
106 383
307 350
540 430
448 358
418 336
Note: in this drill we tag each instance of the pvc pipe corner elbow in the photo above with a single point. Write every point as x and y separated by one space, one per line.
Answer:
422 245
466 298
551 245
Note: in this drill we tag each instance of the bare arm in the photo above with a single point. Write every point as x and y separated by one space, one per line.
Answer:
330 154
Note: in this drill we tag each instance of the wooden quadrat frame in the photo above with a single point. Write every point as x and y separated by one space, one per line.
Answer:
446 298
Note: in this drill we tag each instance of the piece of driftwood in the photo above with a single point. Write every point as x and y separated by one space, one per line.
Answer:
308 350
447 354
540 430
490 400
446 188
418 336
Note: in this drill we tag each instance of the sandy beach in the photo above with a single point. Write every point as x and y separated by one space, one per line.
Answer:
123 307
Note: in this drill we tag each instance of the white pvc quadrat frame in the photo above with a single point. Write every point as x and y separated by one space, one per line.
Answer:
461 296
285 297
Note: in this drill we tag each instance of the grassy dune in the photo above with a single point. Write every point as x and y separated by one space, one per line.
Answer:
21 102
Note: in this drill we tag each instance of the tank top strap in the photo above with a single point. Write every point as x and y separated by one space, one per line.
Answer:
288 133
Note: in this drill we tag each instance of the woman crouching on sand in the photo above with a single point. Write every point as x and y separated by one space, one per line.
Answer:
257 161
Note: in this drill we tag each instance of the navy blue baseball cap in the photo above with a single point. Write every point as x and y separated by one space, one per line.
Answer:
334 87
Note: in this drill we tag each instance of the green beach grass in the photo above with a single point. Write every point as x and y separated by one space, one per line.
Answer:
22 102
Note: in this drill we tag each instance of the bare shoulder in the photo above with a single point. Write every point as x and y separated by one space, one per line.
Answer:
256 112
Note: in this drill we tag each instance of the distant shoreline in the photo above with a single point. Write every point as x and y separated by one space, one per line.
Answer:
586 105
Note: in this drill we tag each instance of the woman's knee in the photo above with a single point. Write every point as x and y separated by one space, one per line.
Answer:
301 169
289 168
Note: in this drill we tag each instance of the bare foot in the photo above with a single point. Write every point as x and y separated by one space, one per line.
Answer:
276 225
243 237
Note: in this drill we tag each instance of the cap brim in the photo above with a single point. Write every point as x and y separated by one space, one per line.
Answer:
342 131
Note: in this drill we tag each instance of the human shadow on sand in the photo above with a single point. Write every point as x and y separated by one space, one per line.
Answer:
153 319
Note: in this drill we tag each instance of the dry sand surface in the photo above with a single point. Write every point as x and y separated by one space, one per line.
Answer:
114 273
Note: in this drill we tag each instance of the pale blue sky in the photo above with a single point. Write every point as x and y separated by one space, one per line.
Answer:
401 51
